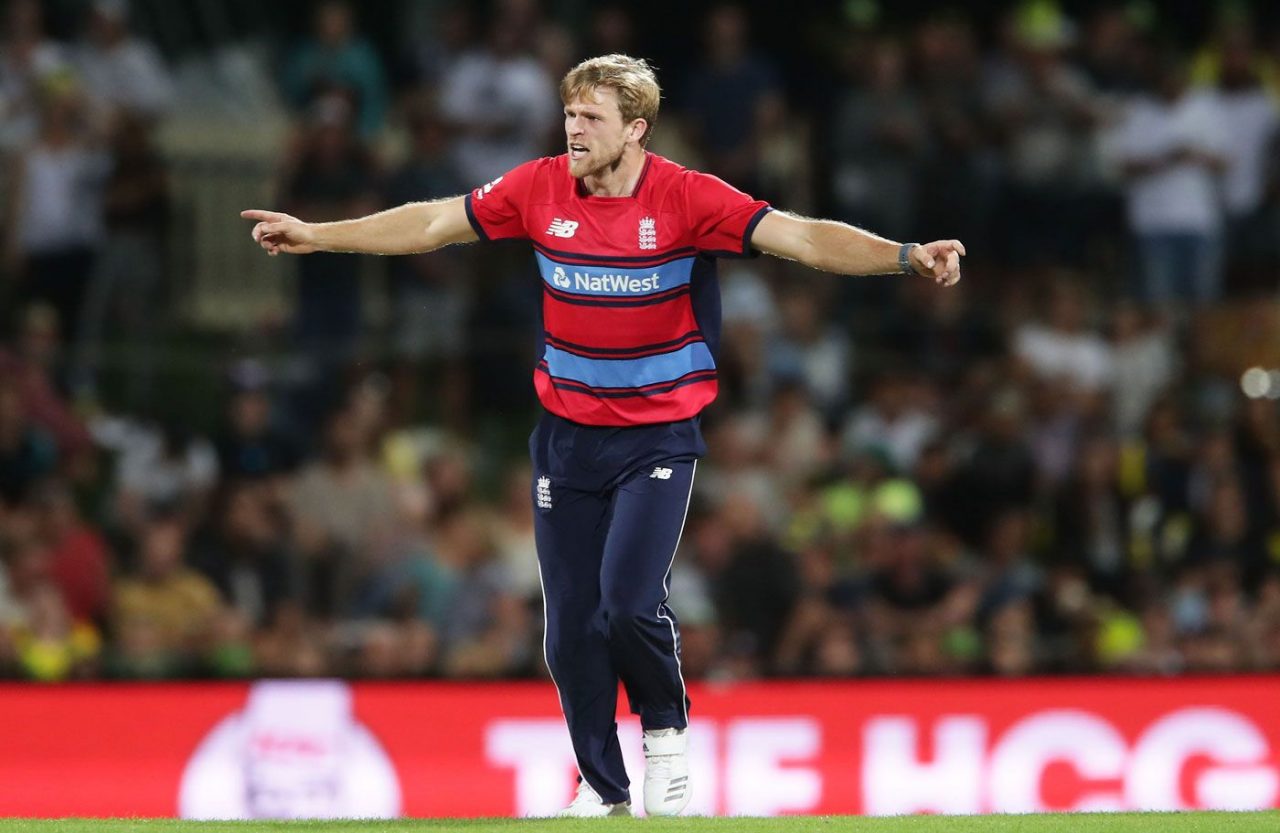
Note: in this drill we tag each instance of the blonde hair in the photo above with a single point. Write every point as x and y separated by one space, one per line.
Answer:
631 78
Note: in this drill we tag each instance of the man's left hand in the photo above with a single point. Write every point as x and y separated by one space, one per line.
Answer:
939 260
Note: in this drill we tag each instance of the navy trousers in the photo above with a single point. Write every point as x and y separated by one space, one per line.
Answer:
609 507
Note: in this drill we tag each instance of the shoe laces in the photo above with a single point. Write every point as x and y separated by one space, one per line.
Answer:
659 766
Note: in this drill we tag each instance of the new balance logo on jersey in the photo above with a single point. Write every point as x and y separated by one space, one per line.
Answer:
542 494
648 233
562 228
660 474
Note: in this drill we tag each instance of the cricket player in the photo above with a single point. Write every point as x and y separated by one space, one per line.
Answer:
626 244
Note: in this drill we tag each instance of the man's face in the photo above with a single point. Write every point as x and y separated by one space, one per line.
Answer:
595 132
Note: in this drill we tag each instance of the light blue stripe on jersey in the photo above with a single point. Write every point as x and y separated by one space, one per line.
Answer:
614 281
629 373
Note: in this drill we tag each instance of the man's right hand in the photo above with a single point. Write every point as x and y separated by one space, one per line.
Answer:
277 232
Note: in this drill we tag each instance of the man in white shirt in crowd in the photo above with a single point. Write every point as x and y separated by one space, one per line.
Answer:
1172 149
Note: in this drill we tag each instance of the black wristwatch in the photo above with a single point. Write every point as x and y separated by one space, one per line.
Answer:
904 258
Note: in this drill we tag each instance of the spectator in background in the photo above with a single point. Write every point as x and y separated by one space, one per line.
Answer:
253 444
55 222
50 645
1144 365
1171 144
24 568
878 140
337 61
809 349
938 333
435 38
292 645
798 441
162 612
907 594
79 560
1221 533
164 466
1011 643
784 170
500 104
751 578
998 472
1056 418
486 633
342 507
1091 521
1268 525
726 96
1257 437
820 636
34 364
1112 51
958 178
1062 348
121 71
334 175
739 444
513 536
127 283
242 550
556 49
1252 115
893 423
1008 570
430 294
412 585
27 59
27 454
611 31
749 317
1044 112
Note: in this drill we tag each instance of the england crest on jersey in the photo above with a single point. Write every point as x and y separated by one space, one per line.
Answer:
648 233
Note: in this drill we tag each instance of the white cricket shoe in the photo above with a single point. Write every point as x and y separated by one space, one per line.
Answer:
587 804
666 772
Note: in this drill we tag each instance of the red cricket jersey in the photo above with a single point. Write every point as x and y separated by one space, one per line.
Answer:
630 300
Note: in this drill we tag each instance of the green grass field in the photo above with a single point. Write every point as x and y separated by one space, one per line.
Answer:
1268 822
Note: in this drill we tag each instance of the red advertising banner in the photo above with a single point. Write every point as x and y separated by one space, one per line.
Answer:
329 749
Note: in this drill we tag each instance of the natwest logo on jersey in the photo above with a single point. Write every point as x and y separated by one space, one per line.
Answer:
587 280
611 283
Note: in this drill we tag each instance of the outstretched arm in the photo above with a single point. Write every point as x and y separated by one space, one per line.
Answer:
411 228
837 247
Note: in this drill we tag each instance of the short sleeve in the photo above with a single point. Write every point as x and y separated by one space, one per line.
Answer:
496 209
721 216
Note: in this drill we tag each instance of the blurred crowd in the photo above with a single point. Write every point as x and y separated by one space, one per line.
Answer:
1069 463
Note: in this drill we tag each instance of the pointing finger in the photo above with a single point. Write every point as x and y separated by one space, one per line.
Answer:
260 214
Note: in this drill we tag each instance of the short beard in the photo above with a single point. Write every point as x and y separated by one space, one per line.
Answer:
609 164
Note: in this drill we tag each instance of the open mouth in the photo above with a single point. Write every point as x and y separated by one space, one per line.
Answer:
577 151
